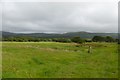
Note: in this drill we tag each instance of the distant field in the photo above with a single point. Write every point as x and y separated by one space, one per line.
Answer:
59 60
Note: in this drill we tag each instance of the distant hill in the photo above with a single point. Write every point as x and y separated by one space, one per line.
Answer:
64 35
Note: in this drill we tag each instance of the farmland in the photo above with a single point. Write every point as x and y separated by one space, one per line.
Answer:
59 60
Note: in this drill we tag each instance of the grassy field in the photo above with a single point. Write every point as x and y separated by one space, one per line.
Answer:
59 60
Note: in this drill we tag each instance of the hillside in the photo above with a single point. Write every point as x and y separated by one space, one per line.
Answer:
64 35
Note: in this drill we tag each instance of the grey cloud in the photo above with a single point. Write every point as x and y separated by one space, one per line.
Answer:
59 17
0 17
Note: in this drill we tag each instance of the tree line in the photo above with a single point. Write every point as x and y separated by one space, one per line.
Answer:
66 40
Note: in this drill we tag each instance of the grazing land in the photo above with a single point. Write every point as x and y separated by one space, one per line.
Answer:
59 60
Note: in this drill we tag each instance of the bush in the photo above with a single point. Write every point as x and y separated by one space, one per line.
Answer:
77 40
103 39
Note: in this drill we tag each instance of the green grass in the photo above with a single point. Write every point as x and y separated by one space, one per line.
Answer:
0 60
59 60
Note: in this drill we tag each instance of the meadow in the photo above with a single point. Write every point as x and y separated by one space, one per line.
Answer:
59 60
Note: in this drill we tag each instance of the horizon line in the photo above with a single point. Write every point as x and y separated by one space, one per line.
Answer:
56 32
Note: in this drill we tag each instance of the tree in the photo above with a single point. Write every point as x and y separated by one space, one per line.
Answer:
77 40
98 39
88 40
109 39
103 39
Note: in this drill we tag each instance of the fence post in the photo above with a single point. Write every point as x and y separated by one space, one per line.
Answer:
89 49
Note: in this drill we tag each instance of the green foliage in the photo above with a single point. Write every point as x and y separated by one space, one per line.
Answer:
98 39
63 40
77 40
88 40
109 39
103 39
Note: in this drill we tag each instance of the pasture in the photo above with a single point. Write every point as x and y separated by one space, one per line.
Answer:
59 60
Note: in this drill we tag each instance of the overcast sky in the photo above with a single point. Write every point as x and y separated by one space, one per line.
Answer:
59 17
